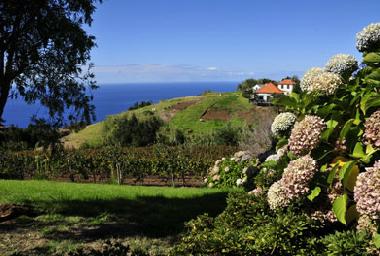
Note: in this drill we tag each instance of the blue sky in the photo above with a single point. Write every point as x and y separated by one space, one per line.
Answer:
222 40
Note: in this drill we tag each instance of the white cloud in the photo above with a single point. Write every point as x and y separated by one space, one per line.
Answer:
175 73
164 73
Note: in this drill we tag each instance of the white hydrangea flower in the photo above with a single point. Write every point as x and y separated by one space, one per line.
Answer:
372 130
321 82
294 182
368 38
283 122
306 135
342 64
367 192
276 196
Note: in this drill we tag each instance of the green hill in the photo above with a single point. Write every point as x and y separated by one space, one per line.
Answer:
195 115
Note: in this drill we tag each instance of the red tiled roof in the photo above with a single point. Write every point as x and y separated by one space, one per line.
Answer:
287 81
269 88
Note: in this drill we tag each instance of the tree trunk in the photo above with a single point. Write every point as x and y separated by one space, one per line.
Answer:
4 93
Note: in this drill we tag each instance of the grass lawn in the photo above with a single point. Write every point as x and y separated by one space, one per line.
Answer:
230 103
70 214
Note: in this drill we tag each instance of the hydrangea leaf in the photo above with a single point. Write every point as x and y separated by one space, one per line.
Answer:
331 124
346 128
350 176
372 58
352 214
314 193
340 208
347 166
332 174
372 102
376 240
358 151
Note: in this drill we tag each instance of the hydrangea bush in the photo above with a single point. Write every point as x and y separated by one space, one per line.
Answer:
340 131
232 172
326 172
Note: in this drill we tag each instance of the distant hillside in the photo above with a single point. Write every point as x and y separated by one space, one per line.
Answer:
195 115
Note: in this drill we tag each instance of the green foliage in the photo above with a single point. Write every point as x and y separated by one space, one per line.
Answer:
348 243
270 171
44 57
132 131
340 207
247 227
141 104
38 134
227 135
172 137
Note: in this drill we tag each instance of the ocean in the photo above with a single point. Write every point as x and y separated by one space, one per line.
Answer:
115 98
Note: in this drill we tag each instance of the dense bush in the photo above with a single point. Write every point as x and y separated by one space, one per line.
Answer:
131 131
140 104
227 135
37 134
248 227
232 172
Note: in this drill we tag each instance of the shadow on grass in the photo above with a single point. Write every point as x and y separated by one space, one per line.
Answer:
152 217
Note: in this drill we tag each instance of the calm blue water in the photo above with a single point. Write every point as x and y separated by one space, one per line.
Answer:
113 99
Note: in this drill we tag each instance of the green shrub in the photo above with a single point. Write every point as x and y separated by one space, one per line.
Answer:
227 135
140 104
38 134
348 243
132 131
248 227
171 137
229 173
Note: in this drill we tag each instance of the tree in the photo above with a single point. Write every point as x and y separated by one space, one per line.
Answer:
44 53
246 87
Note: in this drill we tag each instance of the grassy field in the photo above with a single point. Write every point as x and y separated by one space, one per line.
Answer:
69 215
196 115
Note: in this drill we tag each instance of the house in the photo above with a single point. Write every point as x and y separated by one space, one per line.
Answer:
263 94
286 85
266 93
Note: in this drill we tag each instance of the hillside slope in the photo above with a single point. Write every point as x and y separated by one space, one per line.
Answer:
196 115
